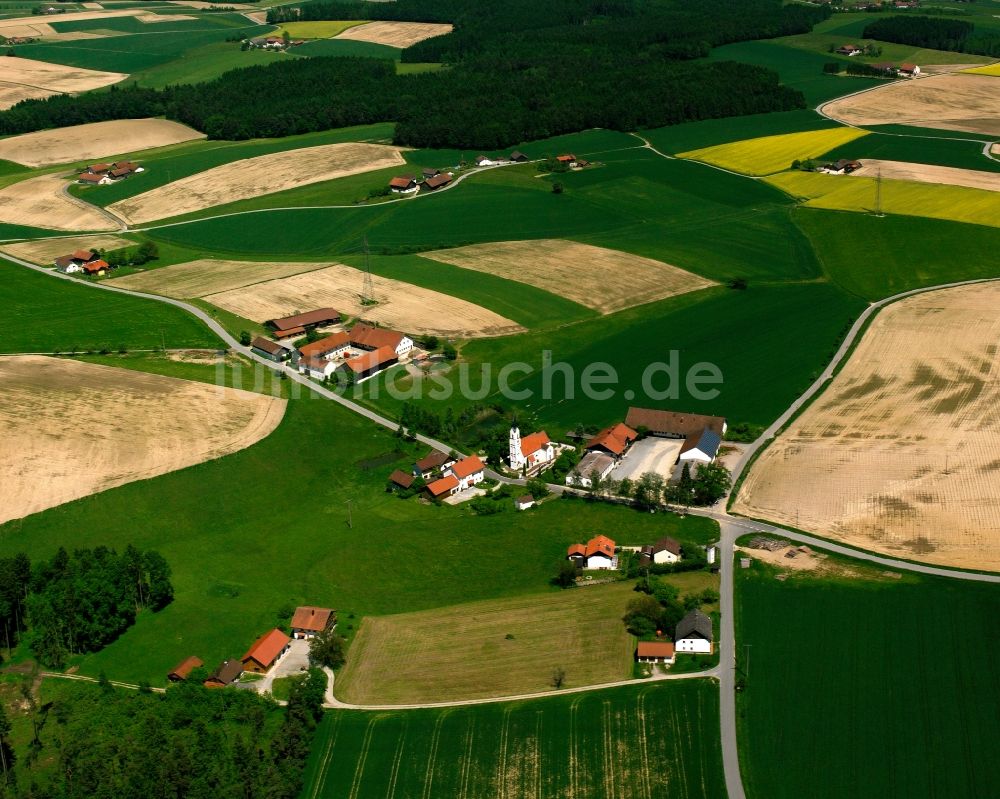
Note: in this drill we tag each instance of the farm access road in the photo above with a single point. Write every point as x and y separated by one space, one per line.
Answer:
731 526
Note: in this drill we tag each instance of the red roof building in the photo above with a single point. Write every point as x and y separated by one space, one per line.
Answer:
96 267
467 467
323 347
368 337
308 621
615 439
655 651
368 363
184 668
401 479
446 486
265 650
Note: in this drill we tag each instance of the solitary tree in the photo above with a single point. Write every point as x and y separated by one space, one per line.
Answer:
327 649
558 677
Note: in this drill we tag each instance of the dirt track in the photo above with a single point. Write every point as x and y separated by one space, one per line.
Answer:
948 102
69 429
25 78
395 34
599 278
901 454
255 177
40 202
929 173
402 306
93 140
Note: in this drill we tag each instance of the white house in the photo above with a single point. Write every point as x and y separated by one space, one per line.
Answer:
525 502
655 652
531 451
592 463
485 160
597 553
702 448
468 472
368 337
317 368
909 70
666 550
694 634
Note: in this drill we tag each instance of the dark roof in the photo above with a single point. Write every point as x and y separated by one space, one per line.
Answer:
432 460
667 545
674 424
708 442
268 346
525 499
429 173
403 182
401 478
437 181
227 672
517 155
695 625
317 317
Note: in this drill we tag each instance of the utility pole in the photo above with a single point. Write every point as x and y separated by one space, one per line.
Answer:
367 290
746 650
350 519
878 193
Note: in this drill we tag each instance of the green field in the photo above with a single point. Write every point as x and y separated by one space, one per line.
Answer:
710 132
45 314
317 30
867 688
348 48
964 154
628 743
267 526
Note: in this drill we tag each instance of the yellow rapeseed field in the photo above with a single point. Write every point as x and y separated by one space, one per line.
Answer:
326 29
769 154
989 69
849 193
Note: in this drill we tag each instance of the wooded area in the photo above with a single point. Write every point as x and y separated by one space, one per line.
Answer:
934 33
516 72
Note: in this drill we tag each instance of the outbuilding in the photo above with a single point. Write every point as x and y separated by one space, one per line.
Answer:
655 652
228 672
271 350
265 651
181 671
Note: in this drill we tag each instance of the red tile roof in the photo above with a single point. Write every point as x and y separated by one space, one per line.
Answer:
267 648
404 182
655 649
565 159
84 255
95 266
674 424
443 486
184 668
372 338
401 478
437 181
368 361
320 316
266 345
534 442
614 438
467 466
576 549
86 177
292 331
601 545
311 618
324 345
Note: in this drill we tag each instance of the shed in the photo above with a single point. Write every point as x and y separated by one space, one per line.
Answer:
184 668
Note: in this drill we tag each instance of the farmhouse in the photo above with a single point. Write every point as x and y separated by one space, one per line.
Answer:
401 479
435 459
694 634
655 652
181 671
517 157
593 463
98 169
468 471
436 182
329 347
405 184
309 621
702 434
443 487
666 550
317 368
909 70
569 159
271 350
368 364
849 50
597 553
91 179
525 502
98 268
367 337
75 261
485 160
531 452
843 166
614 440
265 651
228 672
299 323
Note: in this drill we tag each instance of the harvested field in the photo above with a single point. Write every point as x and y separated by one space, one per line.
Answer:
963 102
23 26
93 140
255 177
900 453
395 34
769 154
208 276
42 202
578 272
25 78
71 429
929 173
402 306
495 648
45 251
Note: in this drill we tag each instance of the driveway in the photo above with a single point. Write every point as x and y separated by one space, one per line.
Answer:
294 661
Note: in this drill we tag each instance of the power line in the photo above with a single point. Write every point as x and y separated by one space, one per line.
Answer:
367 290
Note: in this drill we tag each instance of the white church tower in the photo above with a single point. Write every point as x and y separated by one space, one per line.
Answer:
516 458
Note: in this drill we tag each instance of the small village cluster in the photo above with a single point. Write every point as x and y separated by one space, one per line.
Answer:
89 262
361 352
271 43
905 70
431 179
265 653
693 635
106 174
868 5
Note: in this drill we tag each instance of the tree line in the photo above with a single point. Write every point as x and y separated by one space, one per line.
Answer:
72 604
517 72
935 33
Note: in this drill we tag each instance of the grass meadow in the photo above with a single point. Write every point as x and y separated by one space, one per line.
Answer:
711 132
868 687
45 314
317 30
630 743
267 527
769 154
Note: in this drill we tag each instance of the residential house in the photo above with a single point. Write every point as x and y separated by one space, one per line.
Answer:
317 368
849 50
443 487
530 452
590 464
99 268
98 169
368 364
271 350
300 323
909 70
265 651
406 184
666 550
569 159
597 553
517 157
655 652
468 471
525 502
91 179
327 348
694 634
228 672
485 160
75 261
368 337
614 440
309 621
438 181
401 480
434 460
181 671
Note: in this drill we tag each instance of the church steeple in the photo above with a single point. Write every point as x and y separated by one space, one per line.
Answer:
516 457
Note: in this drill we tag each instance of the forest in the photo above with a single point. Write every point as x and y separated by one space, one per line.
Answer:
934 33
517 72
94 741
79 603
